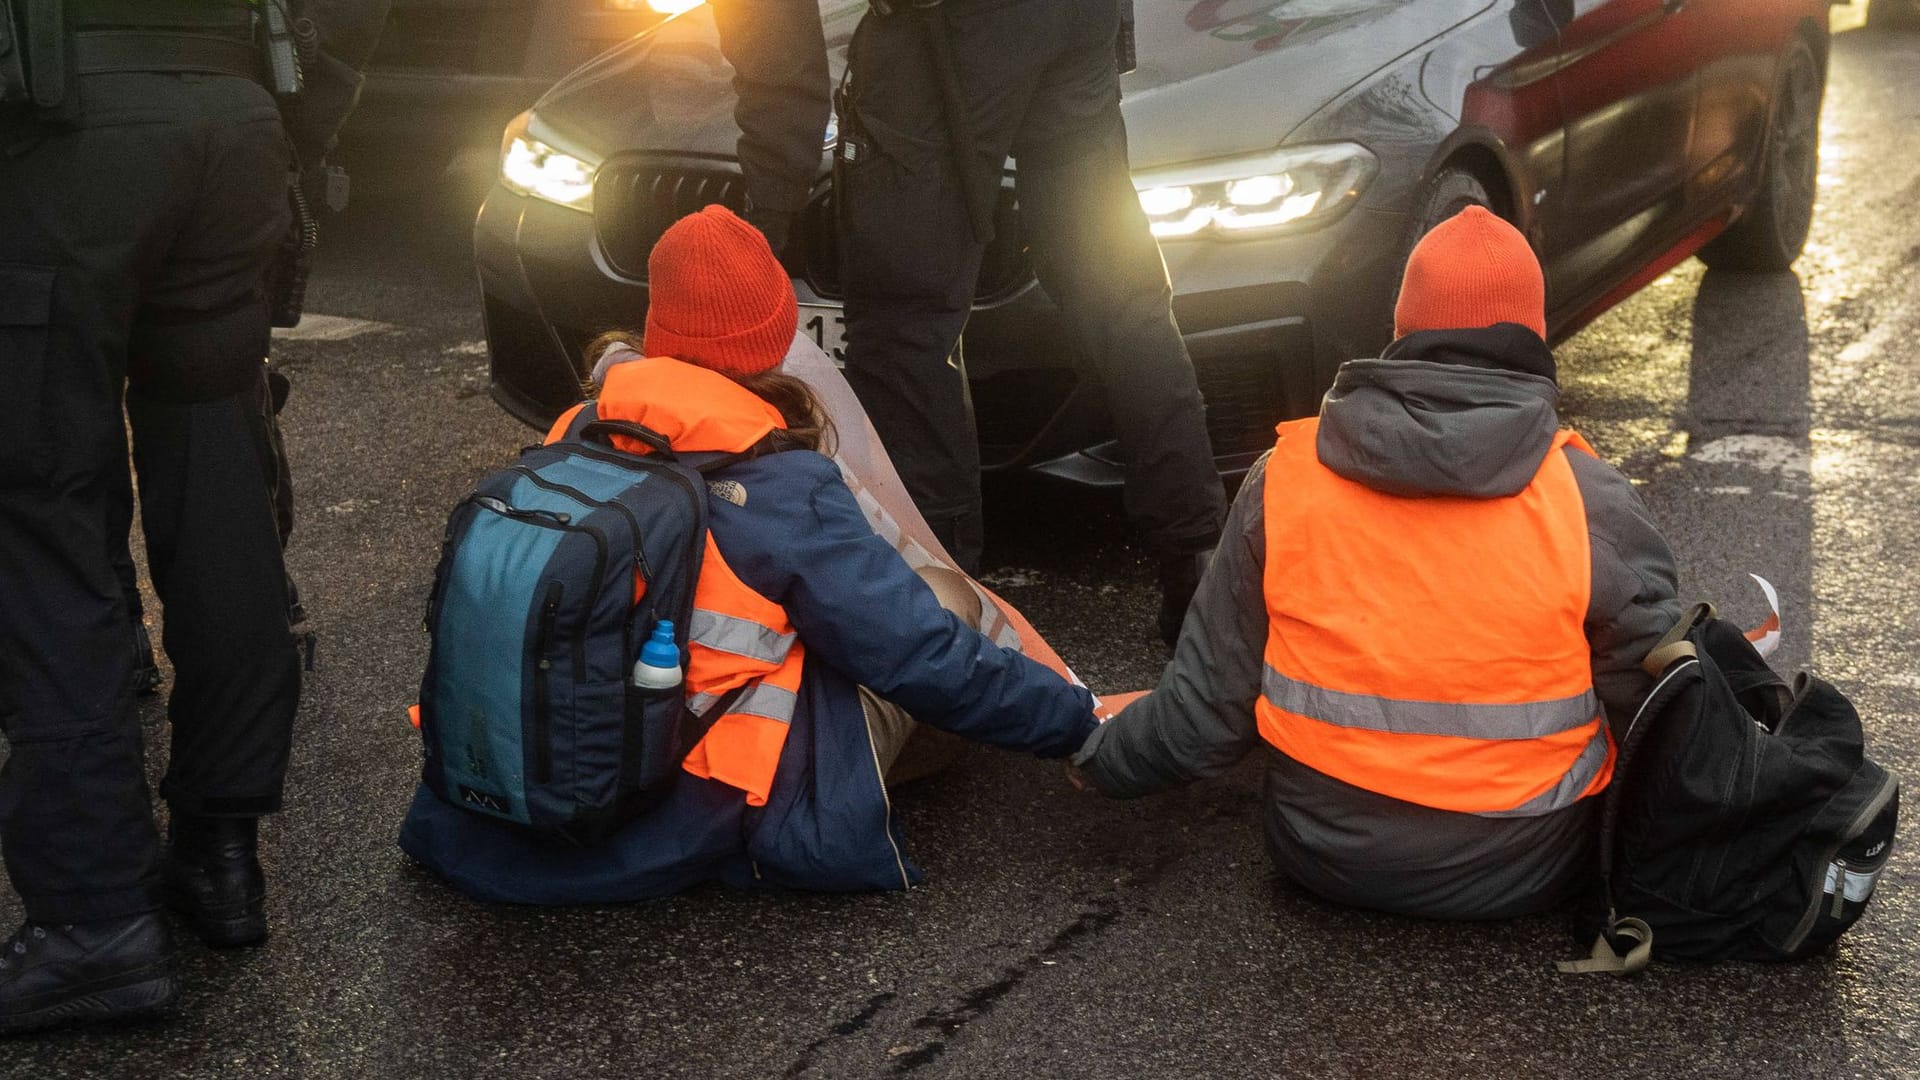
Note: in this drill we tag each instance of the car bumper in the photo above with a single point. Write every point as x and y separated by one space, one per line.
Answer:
1266 321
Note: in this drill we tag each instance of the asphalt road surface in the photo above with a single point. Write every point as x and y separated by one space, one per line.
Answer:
1772 422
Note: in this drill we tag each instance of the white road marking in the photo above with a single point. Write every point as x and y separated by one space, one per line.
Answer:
468 348
1768 453
330 328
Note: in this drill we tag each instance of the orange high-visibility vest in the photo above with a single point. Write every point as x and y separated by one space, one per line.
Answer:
1432 650
741 639
738 640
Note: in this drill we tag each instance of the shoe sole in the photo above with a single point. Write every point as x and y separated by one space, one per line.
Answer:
218 930
149 995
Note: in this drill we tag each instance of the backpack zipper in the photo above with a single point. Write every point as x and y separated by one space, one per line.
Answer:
640 567
1888 785
658 468
548 519
633 524
655 468
542 720
696 543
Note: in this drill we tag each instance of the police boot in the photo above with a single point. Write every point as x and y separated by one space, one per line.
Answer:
213 878
1179 576
146 673
52 974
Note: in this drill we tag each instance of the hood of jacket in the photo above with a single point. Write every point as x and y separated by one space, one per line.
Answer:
1443 412
695 409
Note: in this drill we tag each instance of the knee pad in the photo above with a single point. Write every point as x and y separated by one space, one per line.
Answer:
190 356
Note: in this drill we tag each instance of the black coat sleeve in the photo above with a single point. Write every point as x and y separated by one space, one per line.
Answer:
1199 721
778 51
1636 587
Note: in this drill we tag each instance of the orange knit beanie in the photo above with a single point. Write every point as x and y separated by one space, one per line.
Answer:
1471 270
719 298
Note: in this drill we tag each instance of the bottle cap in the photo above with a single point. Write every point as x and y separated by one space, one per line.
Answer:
660 651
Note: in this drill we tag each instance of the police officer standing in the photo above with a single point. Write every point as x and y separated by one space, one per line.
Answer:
940 95
144 170
783 100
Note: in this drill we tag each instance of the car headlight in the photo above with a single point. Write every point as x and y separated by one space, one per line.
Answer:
664 7
534 166
1285 190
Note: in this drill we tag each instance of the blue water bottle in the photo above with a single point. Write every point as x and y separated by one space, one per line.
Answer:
659 665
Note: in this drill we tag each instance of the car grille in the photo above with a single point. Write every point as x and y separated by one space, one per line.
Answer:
635 202
633 205
1246 396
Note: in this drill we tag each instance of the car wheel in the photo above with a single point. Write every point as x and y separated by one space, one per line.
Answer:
1894 15
1771 233
1452 191
1449 192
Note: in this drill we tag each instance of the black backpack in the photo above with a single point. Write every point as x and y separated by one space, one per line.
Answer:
1744 821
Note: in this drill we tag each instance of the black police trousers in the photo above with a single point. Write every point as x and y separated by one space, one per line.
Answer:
1039 83
132 250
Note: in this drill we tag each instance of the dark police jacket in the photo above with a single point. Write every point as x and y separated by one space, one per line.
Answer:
347 32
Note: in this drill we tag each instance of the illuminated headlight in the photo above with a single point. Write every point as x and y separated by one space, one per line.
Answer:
531 166
1285 190
664 7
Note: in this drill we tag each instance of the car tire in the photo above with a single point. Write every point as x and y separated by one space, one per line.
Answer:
1452 190
1771 234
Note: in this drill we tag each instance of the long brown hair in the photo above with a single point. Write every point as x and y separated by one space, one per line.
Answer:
808 426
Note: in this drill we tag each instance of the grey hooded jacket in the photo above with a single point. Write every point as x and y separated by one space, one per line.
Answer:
1412 427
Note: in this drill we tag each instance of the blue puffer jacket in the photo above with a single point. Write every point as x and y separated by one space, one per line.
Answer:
865 618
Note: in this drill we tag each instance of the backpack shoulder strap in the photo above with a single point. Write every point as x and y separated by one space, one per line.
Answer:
1608 958
587 413
1605 956
776 441
1675 647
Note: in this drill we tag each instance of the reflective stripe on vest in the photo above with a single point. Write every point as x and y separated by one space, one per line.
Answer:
1431 650
741 637
761 699
740 640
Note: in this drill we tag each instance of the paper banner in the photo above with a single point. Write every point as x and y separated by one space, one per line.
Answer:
1766 636
869 472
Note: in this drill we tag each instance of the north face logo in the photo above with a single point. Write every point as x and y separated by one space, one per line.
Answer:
730 490
483 800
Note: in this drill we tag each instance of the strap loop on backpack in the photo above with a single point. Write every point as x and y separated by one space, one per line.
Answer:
603 431
1674 646
1605 957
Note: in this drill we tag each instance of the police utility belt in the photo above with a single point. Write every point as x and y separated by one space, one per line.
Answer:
39 54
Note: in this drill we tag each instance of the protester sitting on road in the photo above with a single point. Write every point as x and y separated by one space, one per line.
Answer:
847 642
1430 604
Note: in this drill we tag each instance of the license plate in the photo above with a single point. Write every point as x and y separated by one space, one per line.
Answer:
826 324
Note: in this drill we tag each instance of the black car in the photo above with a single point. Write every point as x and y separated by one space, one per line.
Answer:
467 54
1288 155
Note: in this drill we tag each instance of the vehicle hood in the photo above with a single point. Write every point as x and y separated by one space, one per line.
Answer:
1261 69
1444 417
